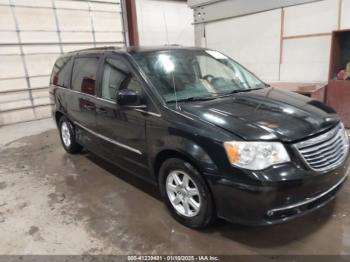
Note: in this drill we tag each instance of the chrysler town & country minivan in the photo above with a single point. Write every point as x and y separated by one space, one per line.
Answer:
217 141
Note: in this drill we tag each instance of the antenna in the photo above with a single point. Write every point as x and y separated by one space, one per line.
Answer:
174 86
166 26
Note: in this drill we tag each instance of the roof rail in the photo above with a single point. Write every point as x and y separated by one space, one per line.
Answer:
96 49
172 45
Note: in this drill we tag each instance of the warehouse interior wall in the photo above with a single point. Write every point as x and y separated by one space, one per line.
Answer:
33 34
164 22
285 44
251 40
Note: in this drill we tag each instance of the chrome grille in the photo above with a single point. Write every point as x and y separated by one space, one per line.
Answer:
326 151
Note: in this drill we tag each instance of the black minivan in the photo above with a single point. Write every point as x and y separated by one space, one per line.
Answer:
217 141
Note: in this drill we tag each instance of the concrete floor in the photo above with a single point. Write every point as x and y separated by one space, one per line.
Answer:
55 203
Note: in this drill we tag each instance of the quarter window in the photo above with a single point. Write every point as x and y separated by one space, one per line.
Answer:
61 72
84 75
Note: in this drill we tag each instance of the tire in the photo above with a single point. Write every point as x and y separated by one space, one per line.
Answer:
176 195
67 135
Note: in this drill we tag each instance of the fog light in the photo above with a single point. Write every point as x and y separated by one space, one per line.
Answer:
270 213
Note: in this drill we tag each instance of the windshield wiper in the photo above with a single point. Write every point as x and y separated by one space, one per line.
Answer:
239 91
193 98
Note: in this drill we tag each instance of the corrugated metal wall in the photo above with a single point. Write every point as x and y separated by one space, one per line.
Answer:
33 33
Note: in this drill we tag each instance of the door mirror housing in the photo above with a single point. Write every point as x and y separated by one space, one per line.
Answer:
129 98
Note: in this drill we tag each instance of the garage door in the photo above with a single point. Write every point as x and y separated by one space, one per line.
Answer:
33 33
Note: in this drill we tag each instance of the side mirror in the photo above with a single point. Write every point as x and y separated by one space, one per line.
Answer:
129 98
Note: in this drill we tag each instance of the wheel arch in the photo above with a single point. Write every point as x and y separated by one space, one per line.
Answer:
194 160
58 115
166 154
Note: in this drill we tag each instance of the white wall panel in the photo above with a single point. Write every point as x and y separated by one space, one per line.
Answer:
253 41
39 81
79 5
40 64
318 17
11 66
39 3
306 59
41 100
109 36
35 18
104 45
69 48
103 7
11 117
39 93
39 37
104 21
345 22
8 37
14 105
6 19
42 111
74 20
10 50
14 96
77 36
37 49
109 1
164 22
12 84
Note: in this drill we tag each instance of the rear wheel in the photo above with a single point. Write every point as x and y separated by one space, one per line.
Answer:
185 193
67 134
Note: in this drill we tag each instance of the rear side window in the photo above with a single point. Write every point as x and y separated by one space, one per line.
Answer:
61 72
84 75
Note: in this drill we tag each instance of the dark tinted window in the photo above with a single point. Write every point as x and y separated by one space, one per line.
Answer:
61 72
84 75
115 75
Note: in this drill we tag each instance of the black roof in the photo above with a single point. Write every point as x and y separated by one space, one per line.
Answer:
133 49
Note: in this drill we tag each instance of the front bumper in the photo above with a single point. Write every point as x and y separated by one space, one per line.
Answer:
264 203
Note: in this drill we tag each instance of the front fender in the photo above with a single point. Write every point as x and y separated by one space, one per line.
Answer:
186 147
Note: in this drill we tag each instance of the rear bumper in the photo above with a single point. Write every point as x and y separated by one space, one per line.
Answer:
276 202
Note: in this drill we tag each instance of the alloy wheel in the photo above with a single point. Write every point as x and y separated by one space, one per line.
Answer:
66 136
183 193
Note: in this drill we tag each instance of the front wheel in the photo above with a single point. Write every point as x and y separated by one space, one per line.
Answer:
67 134
186 194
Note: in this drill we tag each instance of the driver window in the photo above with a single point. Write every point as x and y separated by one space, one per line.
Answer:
134 85
115 75
211 67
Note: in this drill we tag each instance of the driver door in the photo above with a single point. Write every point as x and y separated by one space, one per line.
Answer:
122 130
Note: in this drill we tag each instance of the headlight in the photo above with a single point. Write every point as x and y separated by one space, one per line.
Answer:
256 155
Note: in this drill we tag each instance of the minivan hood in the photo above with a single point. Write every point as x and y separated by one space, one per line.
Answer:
265 114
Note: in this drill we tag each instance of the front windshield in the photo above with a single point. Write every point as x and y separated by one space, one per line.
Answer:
195 74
